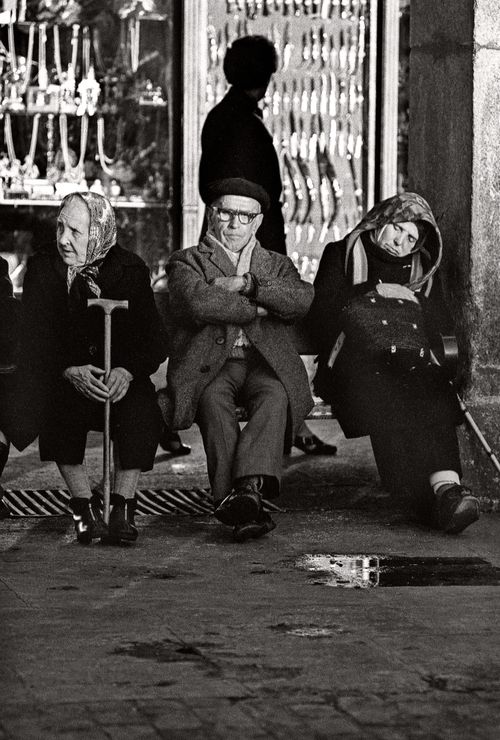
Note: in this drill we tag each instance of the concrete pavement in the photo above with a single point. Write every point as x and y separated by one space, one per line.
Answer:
187 634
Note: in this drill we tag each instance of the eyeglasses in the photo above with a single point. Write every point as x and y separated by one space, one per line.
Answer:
226 214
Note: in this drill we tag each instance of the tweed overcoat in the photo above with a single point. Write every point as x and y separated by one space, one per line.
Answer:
205 320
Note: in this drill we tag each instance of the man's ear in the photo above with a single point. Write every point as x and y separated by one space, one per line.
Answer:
257 221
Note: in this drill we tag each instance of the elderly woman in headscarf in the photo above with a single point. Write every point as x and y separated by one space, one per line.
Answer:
401 397
62 365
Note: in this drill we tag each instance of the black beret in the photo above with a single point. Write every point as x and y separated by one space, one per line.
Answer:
236 186
249 62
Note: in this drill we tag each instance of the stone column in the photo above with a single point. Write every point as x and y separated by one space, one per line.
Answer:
454 162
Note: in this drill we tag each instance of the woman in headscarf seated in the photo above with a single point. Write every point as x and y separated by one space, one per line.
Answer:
62 383
378 316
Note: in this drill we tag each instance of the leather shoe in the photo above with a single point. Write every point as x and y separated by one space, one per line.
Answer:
122 520
171 442
87 517
252 530
314 446
242 505
455 508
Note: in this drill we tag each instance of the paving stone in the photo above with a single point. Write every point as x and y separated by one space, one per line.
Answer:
90 639
131 732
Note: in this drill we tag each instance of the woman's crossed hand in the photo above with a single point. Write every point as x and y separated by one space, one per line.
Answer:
87 380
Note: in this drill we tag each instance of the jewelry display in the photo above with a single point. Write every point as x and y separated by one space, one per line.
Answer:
59 58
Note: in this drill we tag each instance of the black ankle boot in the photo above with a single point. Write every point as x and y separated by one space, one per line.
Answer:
121 520
89 524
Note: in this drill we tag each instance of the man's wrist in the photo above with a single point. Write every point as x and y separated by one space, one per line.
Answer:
249 286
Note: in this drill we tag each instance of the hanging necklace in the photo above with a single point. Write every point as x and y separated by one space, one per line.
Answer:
103 159
135 42
73 173
29 58
43 77
75 32
7 124
86 51
12 48
29 161
57 52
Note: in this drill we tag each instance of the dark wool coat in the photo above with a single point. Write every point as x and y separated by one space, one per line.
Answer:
367 396
10 319
236 143
206 320
56 337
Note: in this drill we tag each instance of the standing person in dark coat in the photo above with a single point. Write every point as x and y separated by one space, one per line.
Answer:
62 360
236 143
232 304
10 316
410 415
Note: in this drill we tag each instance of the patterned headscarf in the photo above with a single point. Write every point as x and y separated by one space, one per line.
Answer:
399 209
102 236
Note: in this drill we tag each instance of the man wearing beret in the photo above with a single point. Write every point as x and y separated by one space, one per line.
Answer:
231 306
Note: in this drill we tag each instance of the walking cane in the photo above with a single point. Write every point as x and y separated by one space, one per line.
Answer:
450 348
108 306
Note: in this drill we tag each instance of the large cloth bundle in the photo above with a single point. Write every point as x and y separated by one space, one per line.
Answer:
387 330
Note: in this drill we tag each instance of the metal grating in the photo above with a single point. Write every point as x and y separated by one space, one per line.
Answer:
150 501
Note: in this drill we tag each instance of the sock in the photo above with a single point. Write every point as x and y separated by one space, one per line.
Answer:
126 482
77 480
443 477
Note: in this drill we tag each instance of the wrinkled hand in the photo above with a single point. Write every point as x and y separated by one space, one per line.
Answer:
232 283
394 290
118 383
86 380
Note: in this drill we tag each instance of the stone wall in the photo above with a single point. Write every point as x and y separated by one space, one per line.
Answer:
454 162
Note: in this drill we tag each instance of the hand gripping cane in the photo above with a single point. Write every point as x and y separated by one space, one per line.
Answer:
108 306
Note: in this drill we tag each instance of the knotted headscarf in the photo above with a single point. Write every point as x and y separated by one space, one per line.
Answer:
400 208
102 236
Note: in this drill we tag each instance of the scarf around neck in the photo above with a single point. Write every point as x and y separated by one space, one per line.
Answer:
400 208
242 259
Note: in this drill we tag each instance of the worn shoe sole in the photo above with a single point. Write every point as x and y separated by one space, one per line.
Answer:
466 513
238 508
253 530
114 538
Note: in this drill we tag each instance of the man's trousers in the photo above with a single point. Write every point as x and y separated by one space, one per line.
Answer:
257 449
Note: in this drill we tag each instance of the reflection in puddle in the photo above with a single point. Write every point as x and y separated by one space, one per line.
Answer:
369 571
311 632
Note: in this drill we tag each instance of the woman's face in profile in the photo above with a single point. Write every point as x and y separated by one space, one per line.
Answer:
73 233
398 239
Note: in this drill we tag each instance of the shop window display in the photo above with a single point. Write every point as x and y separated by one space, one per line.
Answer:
85 104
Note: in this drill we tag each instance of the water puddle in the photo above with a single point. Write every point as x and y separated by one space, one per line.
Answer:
372 571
